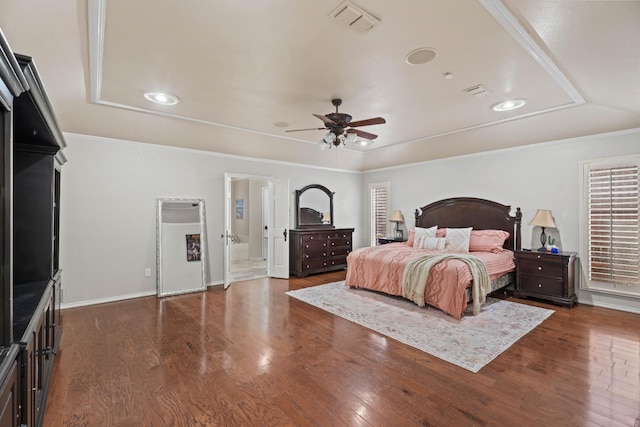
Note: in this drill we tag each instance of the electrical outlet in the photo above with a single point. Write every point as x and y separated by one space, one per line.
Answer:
147 272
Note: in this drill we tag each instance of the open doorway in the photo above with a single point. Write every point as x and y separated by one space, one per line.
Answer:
248 219
249 210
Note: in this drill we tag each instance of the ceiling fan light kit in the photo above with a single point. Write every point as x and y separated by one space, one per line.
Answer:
341 129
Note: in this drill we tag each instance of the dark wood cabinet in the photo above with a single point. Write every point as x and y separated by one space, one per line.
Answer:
546 275
319 250
9 394
29 260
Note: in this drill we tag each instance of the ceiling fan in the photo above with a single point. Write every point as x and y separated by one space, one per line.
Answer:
341 128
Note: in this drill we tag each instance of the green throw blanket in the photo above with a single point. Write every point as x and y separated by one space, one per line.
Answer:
414 278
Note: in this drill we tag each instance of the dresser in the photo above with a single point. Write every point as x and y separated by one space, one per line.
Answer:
319 250
546 275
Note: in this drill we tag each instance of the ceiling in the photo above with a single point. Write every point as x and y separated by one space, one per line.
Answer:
245 69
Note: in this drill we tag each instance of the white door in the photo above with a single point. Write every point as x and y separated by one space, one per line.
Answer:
278 232
226 235
265 222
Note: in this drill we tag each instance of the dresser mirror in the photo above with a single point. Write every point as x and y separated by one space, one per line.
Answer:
314 207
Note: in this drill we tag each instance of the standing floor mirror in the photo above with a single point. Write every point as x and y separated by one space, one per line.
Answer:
181 246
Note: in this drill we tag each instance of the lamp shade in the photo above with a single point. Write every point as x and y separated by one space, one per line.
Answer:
543 218
396 216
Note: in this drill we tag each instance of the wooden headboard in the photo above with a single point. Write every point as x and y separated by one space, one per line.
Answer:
310 216
480 214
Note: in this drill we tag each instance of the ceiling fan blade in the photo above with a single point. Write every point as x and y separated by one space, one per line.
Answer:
363 134
325 119
367 122
299 130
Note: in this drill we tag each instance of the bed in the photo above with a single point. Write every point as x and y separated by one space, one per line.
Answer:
448 287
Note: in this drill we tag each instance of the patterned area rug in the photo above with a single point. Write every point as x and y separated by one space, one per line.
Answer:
469 343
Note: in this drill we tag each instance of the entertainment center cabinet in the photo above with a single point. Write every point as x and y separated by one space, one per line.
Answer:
30 277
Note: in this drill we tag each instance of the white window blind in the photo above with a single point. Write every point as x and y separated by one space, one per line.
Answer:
614 226
379 211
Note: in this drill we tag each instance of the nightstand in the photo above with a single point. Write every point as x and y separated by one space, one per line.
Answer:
385 240
546 276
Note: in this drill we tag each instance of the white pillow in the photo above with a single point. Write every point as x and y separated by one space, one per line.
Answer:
433 243
458 239
423 233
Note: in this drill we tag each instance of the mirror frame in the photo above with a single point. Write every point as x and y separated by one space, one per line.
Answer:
298 207
203 245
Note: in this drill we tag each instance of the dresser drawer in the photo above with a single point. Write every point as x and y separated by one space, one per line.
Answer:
541 267
339 251
313 244
340 241
340 261
315 264
541 285
314 254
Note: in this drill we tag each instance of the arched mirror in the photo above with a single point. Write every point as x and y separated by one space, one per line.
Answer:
181 246
314 207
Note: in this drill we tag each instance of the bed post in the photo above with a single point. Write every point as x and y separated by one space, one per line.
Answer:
518 234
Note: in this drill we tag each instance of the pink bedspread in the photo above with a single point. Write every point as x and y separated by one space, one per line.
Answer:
380 268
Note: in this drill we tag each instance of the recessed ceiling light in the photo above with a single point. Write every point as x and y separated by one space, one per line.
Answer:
508 105
281 124
161 98
421 56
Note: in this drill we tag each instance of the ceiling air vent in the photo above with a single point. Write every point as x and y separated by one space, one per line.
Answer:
478 91
350 15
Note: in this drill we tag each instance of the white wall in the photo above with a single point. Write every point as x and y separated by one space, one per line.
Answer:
533 177
108 213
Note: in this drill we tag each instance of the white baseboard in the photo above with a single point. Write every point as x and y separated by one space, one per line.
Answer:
612 306
64 306
105 300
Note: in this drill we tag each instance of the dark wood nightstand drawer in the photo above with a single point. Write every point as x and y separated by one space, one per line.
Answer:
542 285
541 267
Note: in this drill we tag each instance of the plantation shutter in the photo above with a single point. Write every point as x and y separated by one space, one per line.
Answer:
379 210
614 230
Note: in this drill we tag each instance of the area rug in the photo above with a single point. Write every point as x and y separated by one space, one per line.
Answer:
470 343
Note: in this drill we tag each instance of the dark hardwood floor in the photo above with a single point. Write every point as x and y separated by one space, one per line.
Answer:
252 356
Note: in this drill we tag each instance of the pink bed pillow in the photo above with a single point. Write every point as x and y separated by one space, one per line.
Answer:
487 240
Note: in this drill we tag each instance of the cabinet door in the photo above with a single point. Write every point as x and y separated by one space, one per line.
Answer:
27 383
9 399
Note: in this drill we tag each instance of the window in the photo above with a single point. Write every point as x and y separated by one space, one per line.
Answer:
378 211
612 225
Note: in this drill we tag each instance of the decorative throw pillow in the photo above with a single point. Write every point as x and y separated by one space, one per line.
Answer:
458 239
487 240
432 243
411 238
423 233
441 232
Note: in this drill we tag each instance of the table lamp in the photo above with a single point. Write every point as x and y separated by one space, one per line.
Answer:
543 218
396 217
